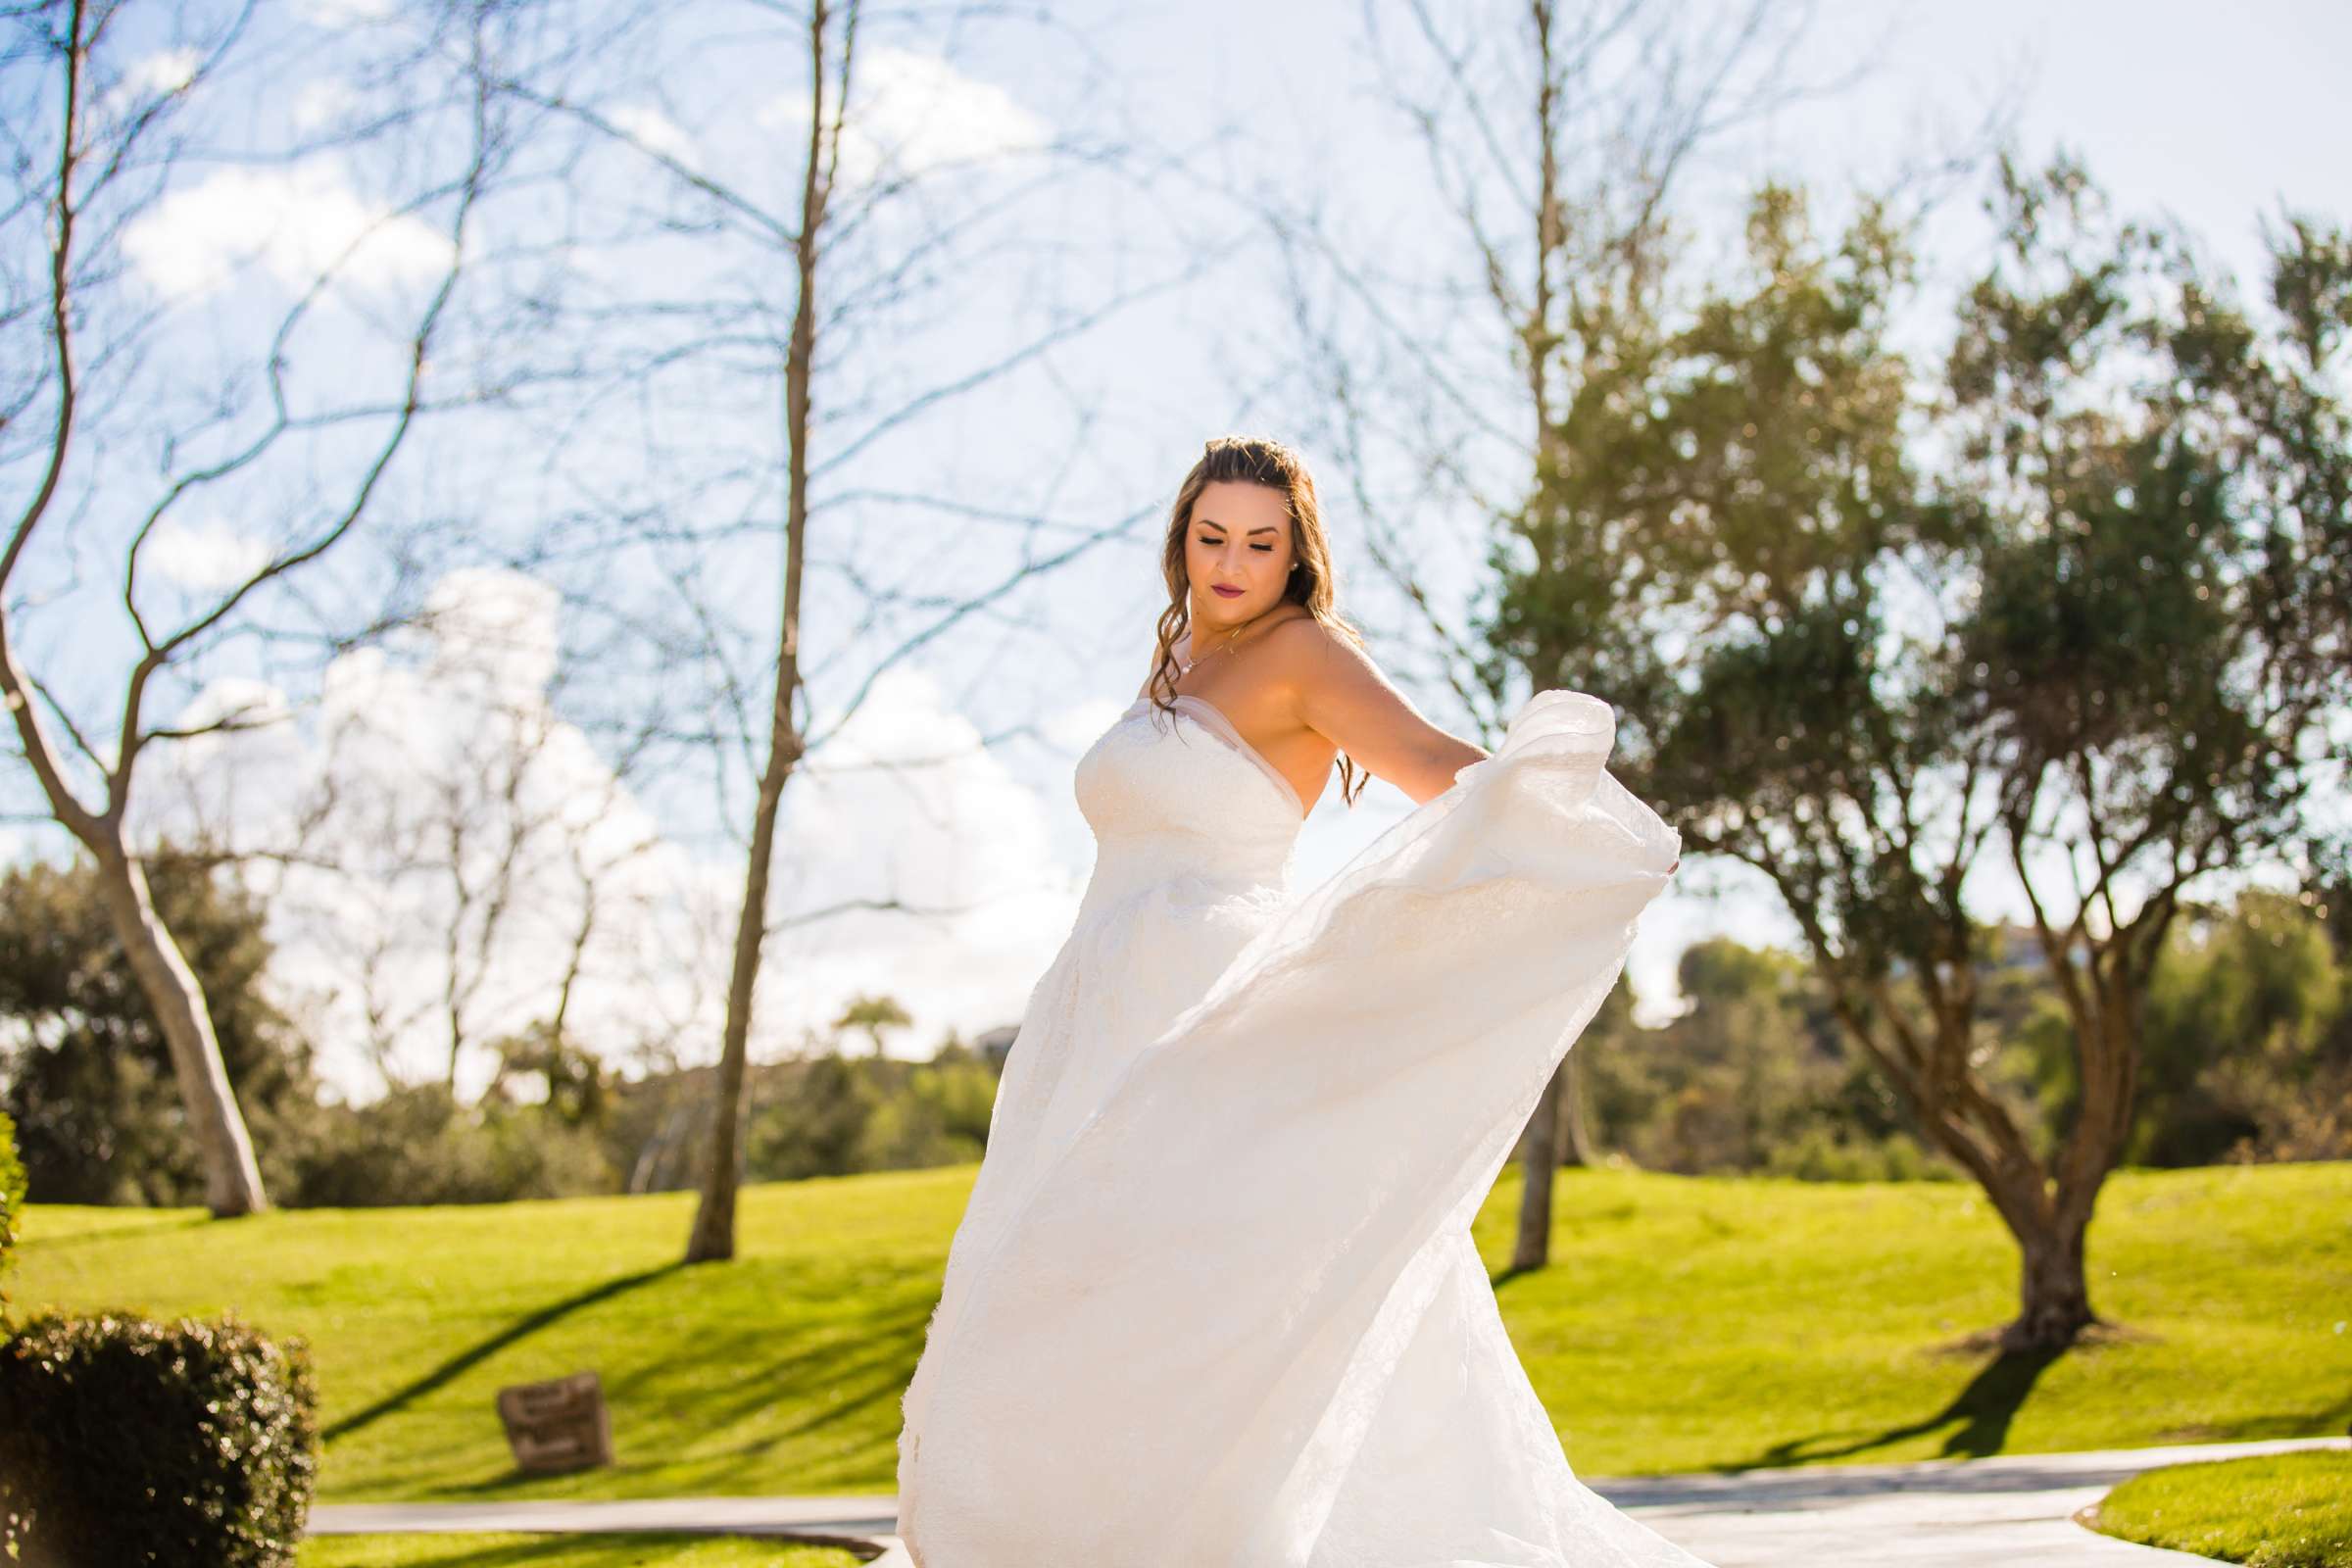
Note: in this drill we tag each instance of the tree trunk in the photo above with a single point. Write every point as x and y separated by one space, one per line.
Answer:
2049 1219
1539 1147
714 1236
2054 1293
2047 1211
2053 1289
232 1179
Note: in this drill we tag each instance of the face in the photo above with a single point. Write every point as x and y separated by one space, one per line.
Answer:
1236 553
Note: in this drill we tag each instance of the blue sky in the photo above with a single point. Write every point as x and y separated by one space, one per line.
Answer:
2213 115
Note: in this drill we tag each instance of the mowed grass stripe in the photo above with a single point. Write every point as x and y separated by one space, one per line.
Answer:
1684 1323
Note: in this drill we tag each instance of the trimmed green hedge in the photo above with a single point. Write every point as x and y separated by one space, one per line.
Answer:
12 1207
124 1441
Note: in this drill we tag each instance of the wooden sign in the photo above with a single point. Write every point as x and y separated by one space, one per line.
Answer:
555 1426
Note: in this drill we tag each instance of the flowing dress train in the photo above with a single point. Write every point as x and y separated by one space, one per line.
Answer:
1213 1303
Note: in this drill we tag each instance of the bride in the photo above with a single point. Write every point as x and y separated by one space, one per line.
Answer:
1213 1303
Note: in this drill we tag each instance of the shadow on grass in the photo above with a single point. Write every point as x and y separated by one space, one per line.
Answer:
840 1381
468 1359
844 1382
2325 1420
875 1372
35 1244
1978 1413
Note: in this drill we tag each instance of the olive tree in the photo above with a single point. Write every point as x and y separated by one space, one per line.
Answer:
2063 623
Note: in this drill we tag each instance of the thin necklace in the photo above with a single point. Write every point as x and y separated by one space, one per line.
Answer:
1185 666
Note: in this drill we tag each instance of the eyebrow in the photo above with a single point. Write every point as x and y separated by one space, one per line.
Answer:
1212 523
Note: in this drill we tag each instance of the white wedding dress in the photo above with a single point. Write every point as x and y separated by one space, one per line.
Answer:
1215 1302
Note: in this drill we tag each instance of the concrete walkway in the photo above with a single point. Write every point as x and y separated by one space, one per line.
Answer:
2012 1510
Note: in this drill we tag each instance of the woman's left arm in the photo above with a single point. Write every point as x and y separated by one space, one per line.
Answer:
1339 693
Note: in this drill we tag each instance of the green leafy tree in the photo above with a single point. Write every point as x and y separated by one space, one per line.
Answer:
873 1014
937 1114
2151 497
418 1143
574 1086
1753 1075
2081 617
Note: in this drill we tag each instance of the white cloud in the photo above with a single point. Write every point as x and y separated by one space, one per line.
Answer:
657 132
903 802
322 102
491 625
148 80
346 13
248 702
204 555
166 70
439 763
295 222
1074 729
913 112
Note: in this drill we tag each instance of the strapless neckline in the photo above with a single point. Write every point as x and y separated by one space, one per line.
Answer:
1211 719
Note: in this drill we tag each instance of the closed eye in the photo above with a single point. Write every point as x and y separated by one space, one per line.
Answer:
1211 539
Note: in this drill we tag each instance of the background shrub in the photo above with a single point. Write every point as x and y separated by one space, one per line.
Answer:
128 1442
12 1206
420 1145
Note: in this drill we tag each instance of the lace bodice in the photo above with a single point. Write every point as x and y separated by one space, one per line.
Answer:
1182 795
1193 838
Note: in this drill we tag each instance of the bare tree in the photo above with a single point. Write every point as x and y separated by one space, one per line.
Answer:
774 317
1560 143
830 75
100 370
713 1233
459 890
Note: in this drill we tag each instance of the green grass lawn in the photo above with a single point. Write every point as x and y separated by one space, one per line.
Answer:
2288 1510
1684 1323
487 1551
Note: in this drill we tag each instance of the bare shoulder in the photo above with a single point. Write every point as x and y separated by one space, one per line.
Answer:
1311 658
1303 643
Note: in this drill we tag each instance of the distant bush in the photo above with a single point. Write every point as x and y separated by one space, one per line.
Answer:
135 1442
12 1204
1821 1154
1755 1076
834 1116
420 1146
2247 1037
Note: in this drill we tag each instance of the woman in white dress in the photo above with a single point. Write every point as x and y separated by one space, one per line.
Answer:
1213 1303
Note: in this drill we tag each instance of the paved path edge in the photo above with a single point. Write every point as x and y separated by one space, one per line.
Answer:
864 1524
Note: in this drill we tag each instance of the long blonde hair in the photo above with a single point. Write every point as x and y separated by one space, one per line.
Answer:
1253 459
